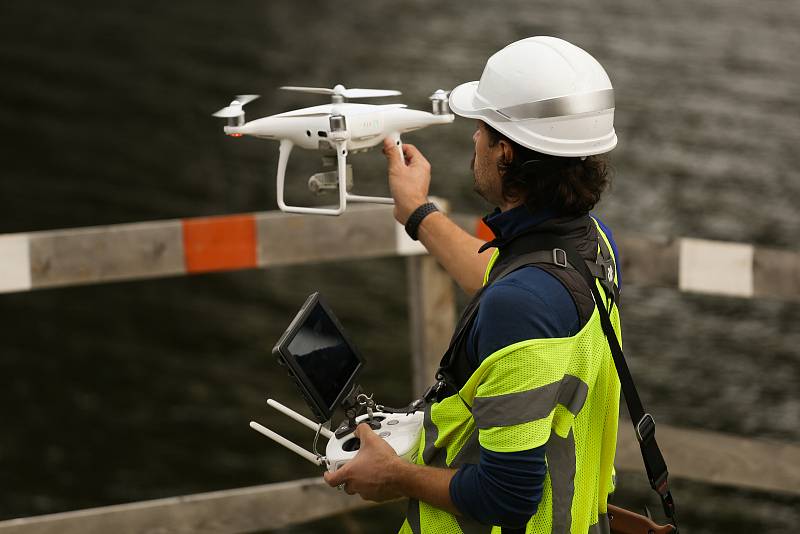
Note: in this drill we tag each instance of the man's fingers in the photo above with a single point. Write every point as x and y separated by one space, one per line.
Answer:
390 151
337 477
362 431
413 156
410 152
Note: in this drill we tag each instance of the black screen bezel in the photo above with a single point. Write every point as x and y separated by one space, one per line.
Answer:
281 350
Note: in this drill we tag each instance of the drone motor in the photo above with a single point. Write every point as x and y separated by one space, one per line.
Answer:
439 101
234 112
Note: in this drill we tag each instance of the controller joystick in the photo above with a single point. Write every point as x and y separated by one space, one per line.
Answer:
352 444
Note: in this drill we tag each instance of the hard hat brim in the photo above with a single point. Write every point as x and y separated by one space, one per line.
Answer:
532 133
463 101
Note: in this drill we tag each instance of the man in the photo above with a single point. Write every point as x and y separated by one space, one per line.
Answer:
520 430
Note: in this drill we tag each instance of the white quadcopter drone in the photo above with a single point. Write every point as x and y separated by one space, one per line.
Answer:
338 128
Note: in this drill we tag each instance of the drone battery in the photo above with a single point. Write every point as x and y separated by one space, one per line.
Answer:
320 358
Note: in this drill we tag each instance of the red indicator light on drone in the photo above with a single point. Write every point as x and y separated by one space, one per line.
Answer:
235 134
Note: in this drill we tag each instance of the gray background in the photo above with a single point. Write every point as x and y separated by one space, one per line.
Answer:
123 392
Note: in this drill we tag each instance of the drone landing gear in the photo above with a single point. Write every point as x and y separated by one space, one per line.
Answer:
341 178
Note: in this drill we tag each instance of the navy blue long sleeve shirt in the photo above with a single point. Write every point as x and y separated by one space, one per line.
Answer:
505 488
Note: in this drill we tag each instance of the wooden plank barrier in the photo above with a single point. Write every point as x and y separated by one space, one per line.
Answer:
717 458
270 506
696 265
177 247
691 454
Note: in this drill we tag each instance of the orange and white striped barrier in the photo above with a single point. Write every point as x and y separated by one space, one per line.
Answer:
177 247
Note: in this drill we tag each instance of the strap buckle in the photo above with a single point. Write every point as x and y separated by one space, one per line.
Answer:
609 271
560 257
645 428
432 394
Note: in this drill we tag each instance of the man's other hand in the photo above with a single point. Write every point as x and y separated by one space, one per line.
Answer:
409 179
371 472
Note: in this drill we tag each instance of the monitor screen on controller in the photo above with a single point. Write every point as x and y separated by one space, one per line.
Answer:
320 356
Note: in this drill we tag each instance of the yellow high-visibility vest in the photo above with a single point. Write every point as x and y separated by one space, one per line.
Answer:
562 392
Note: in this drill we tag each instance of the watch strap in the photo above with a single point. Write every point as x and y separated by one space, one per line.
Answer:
415 219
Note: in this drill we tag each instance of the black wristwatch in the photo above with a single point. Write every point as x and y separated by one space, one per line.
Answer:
413 222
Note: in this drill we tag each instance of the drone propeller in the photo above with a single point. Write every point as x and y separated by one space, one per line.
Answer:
325 111
341 92
312 90
235 108
369 93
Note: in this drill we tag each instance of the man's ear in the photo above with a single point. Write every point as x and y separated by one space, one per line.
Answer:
507 151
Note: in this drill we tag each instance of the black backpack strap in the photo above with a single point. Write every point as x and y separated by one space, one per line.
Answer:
643 423
447 375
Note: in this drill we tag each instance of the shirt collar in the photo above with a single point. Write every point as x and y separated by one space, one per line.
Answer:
508 224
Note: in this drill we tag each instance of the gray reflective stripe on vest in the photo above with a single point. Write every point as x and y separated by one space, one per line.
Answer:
602 526
525 406
572 393
470 452
561 466
560 106
430 454
412 516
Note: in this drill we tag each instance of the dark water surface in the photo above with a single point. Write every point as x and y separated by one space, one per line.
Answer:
122 392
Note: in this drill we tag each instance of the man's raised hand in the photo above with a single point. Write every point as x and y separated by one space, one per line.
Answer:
409 179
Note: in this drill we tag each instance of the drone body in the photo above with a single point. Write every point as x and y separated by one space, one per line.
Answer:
336 130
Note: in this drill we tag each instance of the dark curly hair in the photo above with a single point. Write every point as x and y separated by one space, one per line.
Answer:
570 186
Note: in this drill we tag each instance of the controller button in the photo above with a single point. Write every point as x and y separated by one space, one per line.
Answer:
392 422
385 434
352 444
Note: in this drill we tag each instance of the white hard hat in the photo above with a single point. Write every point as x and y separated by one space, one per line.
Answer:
546 94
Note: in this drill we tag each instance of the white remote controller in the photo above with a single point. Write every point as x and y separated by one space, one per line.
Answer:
400 430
